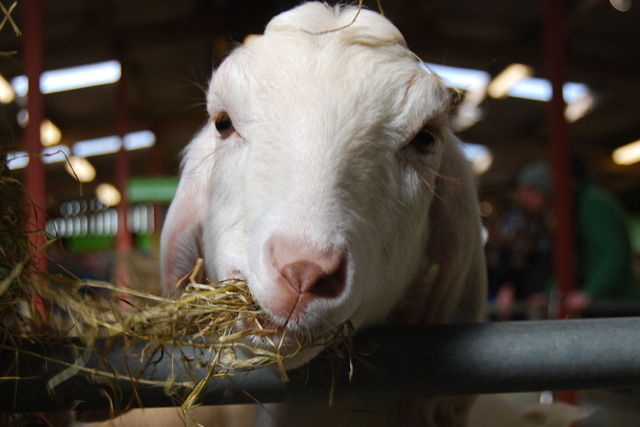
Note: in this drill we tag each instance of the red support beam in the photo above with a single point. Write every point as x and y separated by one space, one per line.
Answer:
124 241
560 162
559 151
35 173
123 166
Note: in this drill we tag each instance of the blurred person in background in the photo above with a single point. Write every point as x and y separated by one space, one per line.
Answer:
520 267
604 268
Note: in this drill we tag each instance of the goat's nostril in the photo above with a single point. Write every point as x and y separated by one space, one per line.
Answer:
331 285
326 281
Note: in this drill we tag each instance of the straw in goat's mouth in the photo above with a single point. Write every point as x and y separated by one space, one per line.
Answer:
222 317
229 333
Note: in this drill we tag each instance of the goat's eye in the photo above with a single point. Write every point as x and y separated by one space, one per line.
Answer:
224 125
423 141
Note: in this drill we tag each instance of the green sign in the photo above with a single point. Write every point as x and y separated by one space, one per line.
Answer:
152 189
90 244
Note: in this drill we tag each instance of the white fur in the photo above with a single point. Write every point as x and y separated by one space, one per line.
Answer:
321 154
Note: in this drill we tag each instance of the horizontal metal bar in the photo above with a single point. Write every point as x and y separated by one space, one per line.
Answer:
595 309
388 363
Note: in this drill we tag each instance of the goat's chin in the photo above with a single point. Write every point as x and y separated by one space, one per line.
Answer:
303 357
295 350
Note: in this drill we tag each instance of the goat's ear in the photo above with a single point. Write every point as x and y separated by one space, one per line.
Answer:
455 247
181 240
456 98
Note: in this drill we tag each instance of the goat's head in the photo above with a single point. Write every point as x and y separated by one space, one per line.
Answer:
323 176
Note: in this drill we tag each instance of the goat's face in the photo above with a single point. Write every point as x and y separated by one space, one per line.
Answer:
327 153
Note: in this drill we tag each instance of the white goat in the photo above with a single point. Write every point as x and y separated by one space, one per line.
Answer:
329 178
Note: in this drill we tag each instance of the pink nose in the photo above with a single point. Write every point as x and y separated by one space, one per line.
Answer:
304 274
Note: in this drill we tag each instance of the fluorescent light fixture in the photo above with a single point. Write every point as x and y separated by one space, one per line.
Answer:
80 169
627 154
108 194
20 85
97 147
17 160
479 155
138 140
72 78
7 93
460 78
514 81
501 84
55 154
571 91
79 77
533 88
539 89
113 144
49 133
579 108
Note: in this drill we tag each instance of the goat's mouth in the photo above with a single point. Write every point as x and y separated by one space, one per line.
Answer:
271 333
287 338
288 341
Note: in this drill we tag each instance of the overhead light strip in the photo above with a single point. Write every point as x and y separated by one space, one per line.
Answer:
97 147
538 89
72 78
534 88
55 154
7 94
504 82
17 160
627 154
112 144
89 148
460 78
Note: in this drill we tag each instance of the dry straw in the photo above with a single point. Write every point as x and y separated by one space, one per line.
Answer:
222 319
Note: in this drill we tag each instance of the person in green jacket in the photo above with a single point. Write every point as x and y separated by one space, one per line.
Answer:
604 269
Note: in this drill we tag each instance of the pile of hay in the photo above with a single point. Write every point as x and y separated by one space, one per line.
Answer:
219 317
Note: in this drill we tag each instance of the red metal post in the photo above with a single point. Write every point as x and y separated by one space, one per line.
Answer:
559 150
123 167
155 169
35 173
124 241
560 161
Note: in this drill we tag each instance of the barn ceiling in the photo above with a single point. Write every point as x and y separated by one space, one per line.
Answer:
168 49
